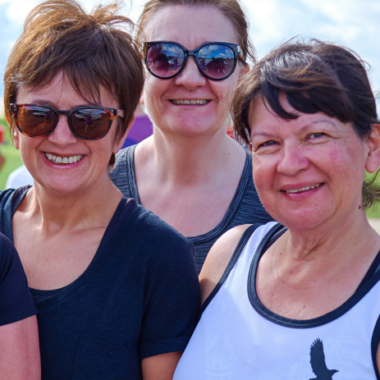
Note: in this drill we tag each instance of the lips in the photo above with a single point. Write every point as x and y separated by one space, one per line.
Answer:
302 189
190 102
63 160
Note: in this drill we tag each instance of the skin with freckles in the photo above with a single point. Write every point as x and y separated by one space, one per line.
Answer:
190 158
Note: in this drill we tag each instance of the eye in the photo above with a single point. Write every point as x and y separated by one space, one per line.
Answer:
316 135
268 143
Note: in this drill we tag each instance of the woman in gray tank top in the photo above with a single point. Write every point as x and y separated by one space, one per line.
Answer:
190 172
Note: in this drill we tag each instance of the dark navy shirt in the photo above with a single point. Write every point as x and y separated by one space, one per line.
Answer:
245 207
139 297
16 302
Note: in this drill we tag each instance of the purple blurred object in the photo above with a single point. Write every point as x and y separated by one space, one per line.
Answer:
140 130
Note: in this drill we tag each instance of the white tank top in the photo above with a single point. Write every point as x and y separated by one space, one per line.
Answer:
238 338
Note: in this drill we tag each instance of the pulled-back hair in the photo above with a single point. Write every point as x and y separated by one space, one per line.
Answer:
230 8
315 77
91 50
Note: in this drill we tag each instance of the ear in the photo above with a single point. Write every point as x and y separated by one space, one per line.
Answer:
119 143
373 144
244 69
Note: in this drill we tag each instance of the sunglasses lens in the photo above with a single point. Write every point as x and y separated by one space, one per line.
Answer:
35 120
90 123
216 61
165 60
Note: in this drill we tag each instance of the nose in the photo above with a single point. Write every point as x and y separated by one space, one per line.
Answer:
62 135
190 77
293 160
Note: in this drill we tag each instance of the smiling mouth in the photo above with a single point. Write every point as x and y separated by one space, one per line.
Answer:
302 189
59 160
192 102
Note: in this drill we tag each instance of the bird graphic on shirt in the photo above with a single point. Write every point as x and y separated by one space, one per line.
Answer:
318 363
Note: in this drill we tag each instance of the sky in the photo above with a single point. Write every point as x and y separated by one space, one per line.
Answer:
351 23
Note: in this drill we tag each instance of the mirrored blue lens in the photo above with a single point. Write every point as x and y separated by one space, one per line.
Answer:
165 59
216 61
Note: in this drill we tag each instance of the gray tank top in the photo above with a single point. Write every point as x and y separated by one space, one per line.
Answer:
245 207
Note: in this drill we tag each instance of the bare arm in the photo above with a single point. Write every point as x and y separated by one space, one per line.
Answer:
19 350
160 367
218 258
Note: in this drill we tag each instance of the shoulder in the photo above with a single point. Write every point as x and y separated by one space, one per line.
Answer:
123 159
8 255
218 259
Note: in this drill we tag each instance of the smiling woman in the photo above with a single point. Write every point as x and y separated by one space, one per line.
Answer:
106 275
190 172
298 299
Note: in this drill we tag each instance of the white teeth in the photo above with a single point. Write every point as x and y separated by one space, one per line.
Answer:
189 102
303 189
63 160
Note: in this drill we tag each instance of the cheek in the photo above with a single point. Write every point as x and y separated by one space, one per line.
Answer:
263 174
225 90
347 161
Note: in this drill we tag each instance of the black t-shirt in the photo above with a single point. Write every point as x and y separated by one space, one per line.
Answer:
16 302
139 297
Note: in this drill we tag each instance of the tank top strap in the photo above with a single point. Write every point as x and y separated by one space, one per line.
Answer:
254 237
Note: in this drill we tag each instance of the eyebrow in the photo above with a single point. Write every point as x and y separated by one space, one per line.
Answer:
305 127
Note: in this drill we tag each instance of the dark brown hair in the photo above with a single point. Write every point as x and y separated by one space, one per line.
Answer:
230 8
91 50
315 77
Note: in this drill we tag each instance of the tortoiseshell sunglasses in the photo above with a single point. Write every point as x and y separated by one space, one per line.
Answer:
85 122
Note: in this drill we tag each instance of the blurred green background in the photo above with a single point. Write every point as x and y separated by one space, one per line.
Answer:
11 155
13 161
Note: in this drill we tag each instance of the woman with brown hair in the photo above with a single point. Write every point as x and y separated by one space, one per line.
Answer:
300 299
116 288
190 172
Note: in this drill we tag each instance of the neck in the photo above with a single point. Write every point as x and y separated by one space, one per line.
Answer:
332 244
191 160
90 207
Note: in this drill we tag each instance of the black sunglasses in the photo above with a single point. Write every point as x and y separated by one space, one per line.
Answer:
85 122
215 60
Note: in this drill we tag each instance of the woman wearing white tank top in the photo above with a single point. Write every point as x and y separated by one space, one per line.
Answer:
299 299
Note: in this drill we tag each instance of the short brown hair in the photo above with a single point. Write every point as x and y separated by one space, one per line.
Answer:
230 8
92 50
315 77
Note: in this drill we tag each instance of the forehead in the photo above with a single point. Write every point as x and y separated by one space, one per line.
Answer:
61 91
262 118
190 26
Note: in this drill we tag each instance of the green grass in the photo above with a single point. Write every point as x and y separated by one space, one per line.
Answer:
374 211
11 155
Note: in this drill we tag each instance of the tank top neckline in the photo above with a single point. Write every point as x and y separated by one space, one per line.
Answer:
370 280
245 177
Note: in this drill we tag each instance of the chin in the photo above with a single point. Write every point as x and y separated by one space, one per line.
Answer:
61 185
303 219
